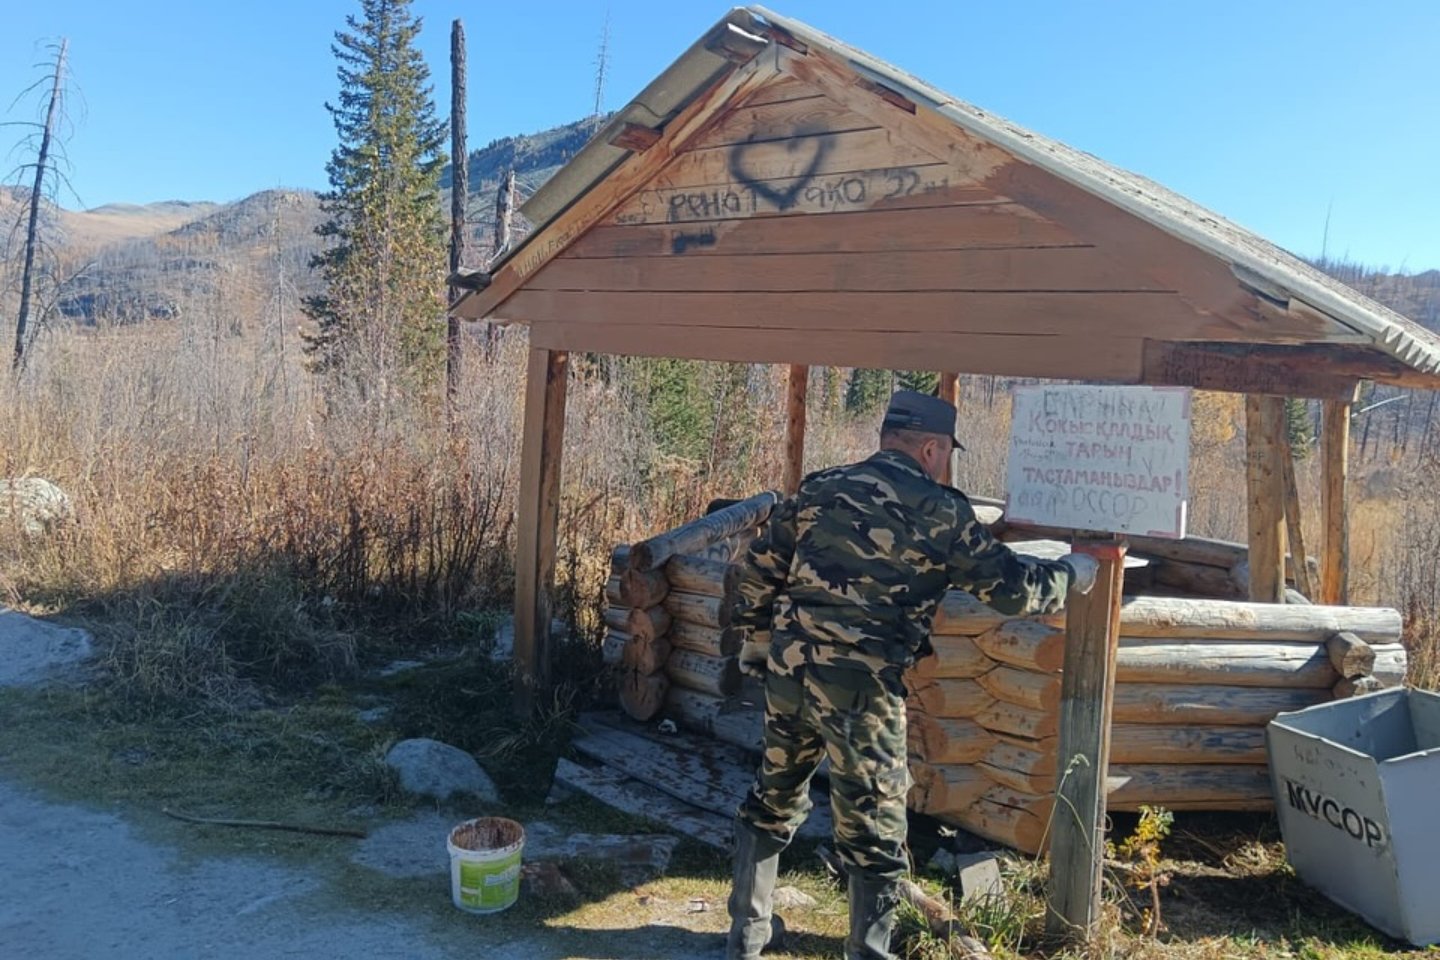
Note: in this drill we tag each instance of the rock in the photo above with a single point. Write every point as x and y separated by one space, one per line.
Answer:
430 768
793 898
32 651
34 504
975 875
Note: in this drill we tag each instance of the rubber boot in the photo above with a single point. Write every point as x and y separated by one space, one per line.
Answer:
757 862
873 901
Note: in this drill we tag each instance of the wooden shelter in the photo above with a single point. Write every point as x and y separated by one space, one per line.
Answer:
777 196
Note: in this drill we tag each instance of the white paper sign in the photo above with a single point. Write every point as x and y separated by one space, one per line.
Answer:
1111 459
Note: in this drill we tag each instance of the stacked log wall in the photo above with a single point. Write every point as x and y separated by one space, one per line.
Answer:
1196 683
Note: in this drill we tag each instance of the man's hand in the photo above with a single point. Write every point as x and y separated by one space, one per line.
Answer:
754 656
1083 570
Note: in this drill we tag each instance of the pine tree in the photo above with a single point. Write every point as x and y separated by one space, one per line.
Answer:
921 381
379 319
867 392
1299 426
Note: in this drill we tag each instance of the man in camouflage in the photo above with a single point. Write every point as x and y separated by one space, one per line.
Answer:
837 599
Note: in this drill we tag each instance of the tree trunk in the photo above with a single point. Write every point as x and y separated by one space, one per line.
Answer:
459 196
27 276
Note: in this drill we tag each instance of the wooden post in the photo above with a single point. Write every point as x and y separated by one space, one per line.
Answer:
543 441
795 396
1265 496
1087 698
1335 464
1299 560
459 197
950 393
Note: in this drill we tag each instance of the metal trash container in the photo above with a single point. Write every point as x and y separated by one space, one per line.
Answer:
1356 786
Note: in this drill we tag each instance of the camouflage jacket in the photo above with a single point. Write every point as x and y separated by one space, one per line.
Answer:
851 569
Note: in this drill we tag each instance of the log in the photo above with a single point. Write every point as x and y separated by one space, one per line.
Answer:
1208 705
1222 620
612 593
648 625
646 655
719 676
1005 816
1007 719
1356 687
1197 579
643 588
643 695
710 641
1230 663
1335 469
612 648
617 618
1298 564
729 550
947 739
713 715
1021 769
1189 787
1038 691
696 575
949 698
955 658
1146 743
1350 656
1225 554
700 533
1391 664
945 788
942 923
697 608
620 560
961 615
1265 443
1028 644
796 386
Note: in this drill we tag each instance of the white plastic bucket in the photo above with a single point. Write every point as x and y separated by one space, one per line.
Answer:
485 864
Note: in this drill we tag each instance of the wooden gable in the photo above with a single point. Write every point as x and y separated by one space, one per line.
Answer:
803 215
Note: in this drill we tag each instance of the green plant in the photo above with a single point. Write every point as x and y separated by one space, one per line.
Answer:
1141 854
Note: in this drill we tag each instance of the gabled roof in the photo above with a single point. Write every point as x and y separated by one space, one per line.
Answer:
1377 342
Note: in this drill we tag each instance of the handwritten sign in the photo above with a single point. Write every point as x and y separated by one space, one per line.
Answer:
1113 459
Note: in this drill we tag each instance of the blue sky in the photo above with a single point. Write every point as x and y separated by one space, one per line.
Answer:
1277 113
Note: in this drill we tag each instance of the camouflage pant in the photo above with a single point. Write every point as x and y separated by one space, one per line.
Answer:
857 720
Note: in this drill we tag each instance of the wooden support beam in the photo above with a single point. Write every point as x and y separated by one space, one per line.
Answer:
1077 849
796 390
950 393
1299 562
1265 496
1335 465
544 437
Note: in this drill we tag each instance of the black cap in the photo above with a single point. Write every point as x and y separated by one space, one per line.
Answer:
909 410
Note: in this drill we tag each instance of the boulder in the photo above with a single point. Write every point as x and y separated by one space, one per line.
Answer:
429 768
34 505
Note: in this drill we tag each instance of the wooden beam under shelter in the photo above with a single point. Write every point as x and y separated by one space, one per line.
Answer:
1335 467
950 393
796 391
545 382
1265 444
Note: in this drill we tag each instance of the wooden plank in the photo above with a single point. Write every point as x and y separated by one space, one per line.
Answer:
998 225
1043 269
796 387
1240 663
781 89
1000 354
1077 839
717 717
631 175
1265 496
758 122
949 389
1298 562
701 774
799 156
1335 467
616 790
1210 705
1299 370
538 514
1107 315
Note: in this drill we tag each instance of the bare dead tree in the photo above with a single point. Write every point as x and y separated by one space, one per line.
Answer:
37 195
602 65
504 216
459 198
